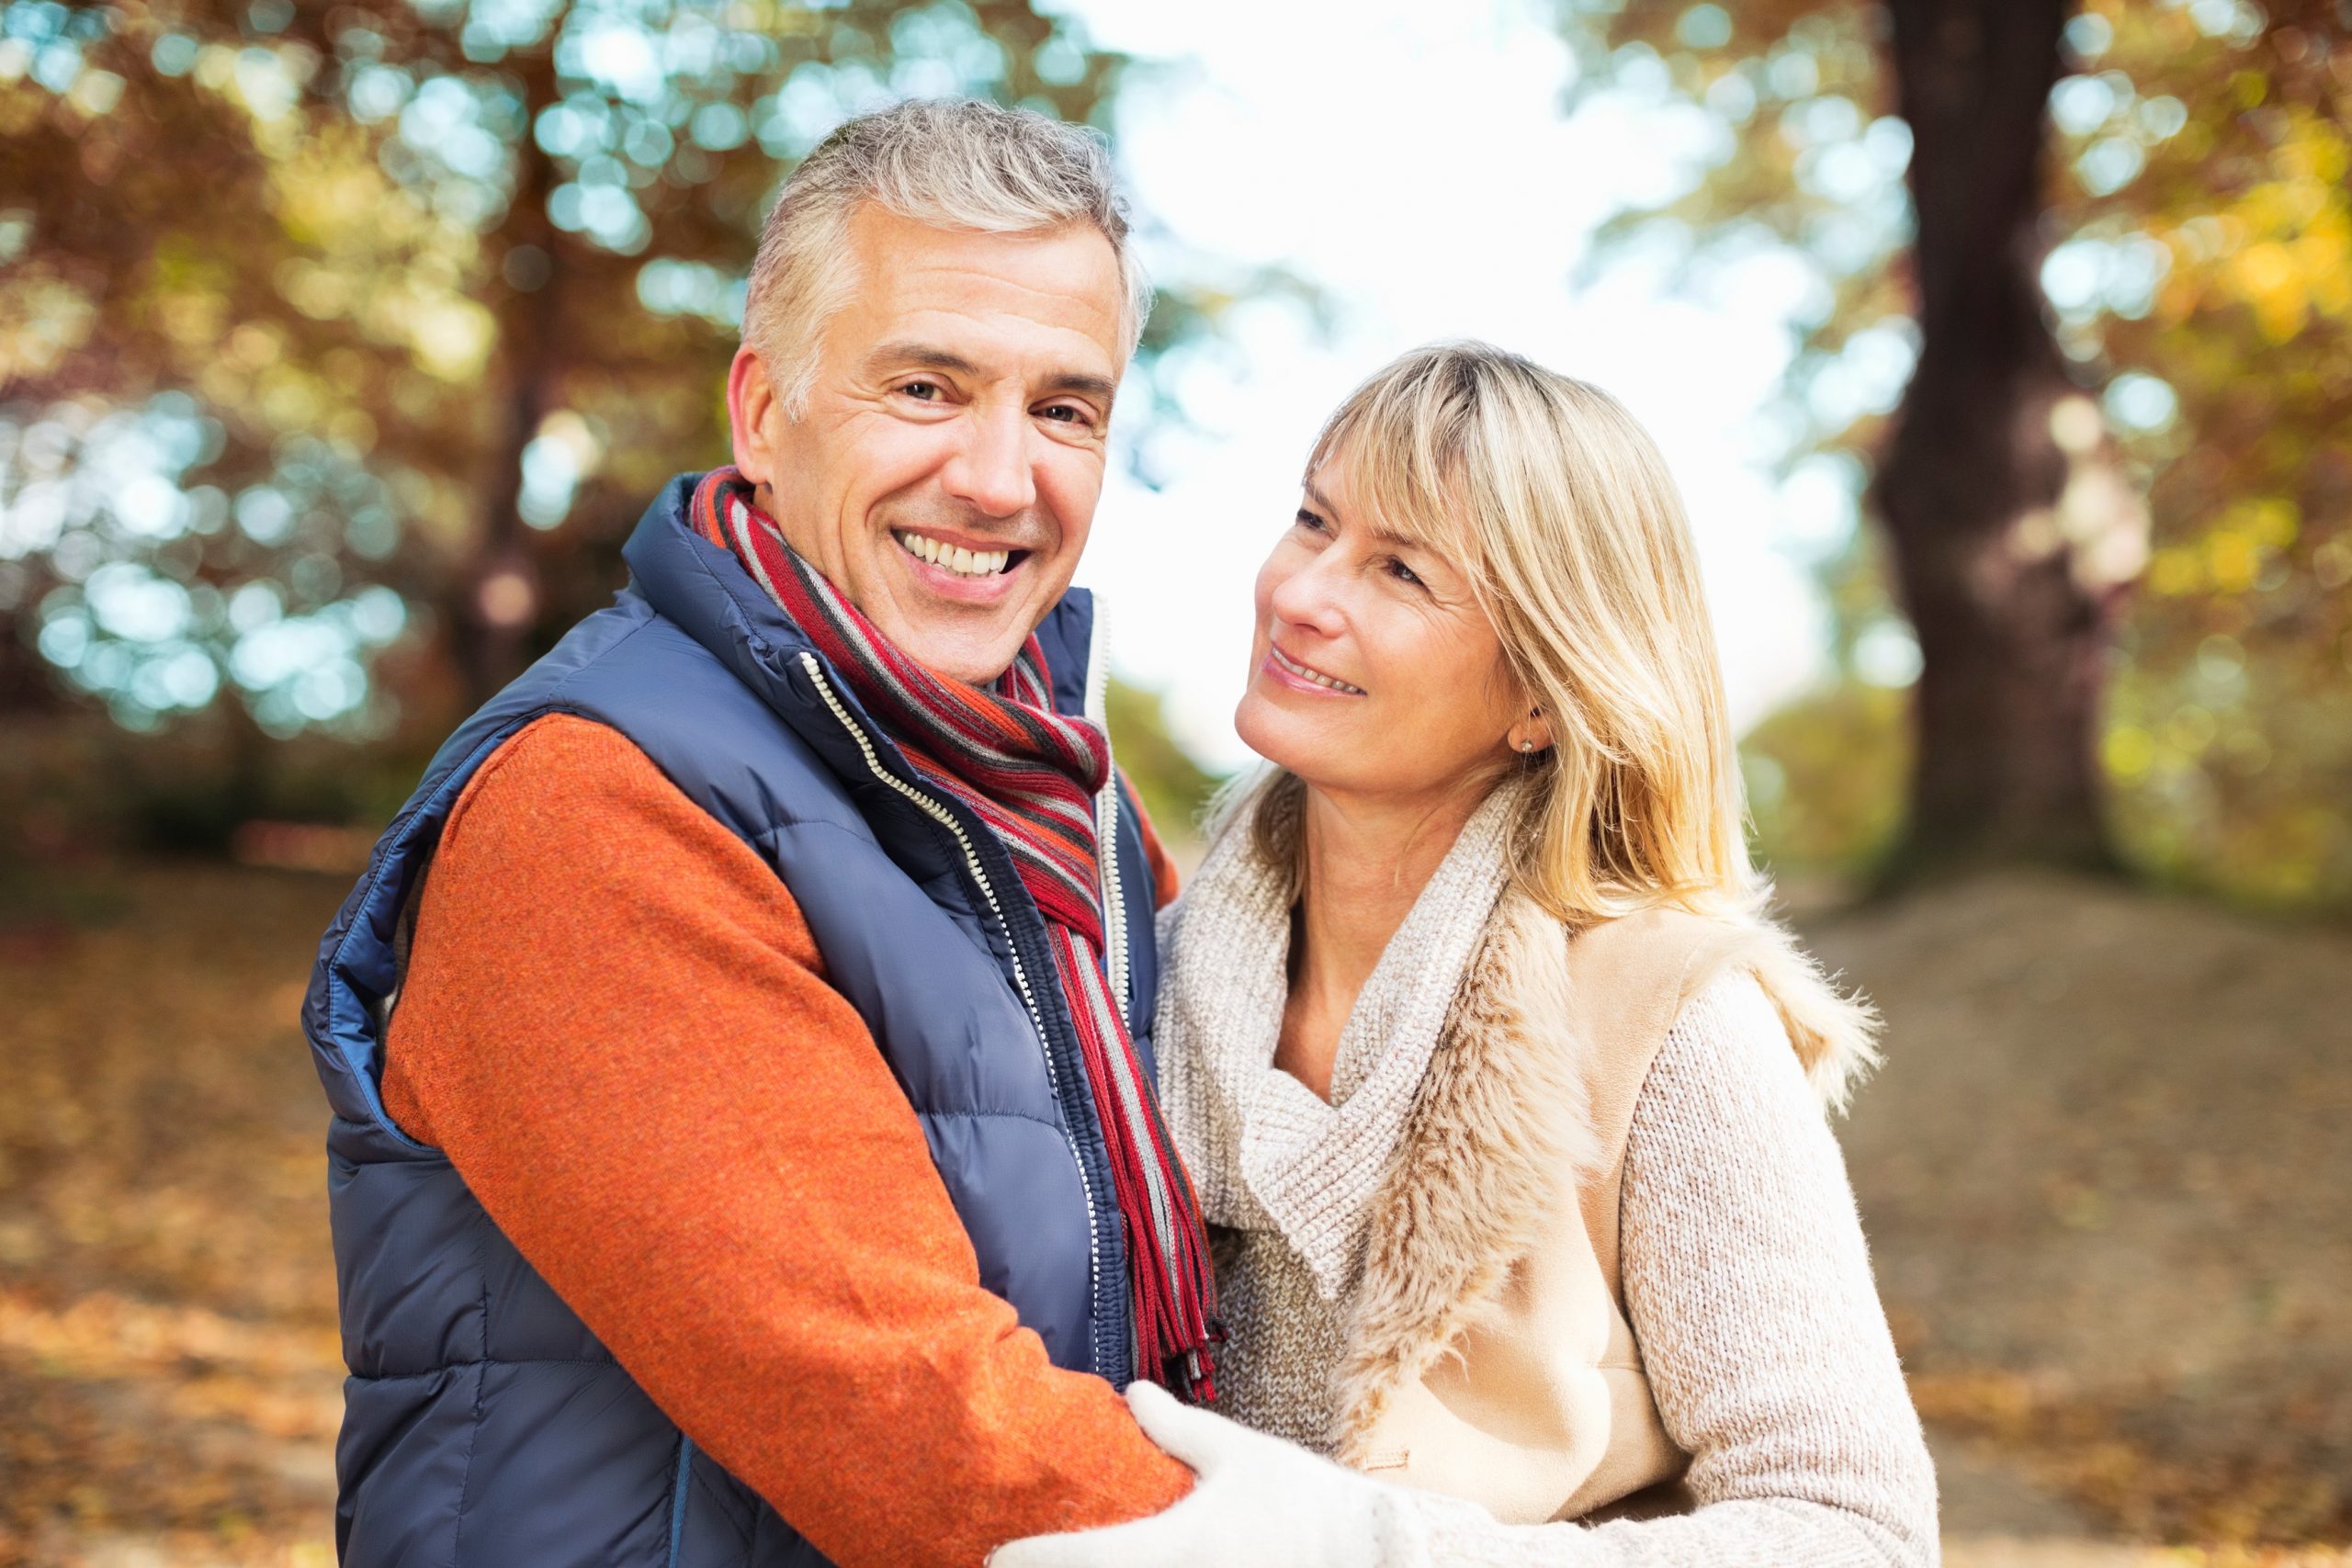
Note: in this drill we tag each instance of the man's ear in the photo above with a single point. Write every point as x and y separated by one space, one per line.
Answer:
753 409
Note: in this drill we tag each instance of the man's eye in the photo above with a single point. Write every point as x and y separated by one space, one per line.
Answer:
1064 414
926 391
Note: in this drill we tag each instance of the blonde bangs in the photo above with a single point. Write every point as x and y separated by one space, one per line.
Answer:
1403 464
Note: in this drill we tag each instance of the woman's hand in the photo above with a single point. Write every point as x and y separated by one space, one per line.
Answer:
1259 1502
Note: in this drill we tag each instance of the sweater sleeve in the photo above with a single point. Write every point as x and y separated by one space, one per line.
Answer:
617 1025
1749 1288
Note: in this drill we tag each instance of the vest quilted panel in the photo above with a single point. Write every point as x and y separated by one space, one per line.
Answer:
410 1439
525 1494
409 1309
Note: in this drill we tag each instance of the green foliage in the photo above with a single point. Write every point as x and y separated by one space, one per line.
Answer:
2200 279
1173 786
1826 776
1825 780
2210 269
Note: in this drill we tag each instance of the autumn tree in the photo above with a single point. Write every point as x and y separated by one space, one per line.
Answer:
326 329
2098 256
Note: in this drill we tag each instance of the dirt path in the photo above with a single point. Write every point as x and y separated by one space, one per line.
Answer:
2105 1176
2108 1188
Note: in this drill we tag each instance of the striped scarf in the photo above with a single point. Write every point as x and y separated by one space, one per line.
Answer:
1032 775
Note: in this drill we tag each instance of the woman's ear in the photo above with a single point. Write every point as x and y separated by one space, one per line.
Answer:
1531 734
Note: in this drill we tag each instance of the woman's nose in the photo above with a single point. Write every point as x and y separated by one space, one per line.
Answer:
1310 597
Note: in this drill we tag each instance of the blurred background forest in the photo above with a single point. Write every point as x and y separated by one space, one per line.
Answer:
341 344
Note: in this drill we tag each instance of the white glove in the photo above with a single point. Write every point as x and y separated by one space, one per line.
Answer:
1259 1503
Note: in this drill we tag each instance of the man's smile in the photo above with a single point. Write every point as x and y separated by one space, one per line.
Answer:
963 572
956 559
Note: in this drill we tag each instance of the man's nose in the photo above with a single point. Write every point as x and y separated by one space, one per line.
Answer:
992 470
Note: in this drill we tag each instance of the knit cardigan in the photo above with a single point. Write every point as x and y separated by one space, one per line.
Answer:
1434 1293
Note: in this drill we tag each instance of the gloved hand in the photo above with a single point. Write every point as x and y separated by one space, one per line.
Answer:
1259 1502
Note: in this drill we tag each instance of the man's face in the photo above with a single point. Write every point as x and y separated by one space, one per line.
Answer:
946 470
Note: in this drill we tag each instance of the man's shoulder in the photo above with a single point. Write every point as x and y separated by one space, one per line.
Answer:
579 780
575 811
554 741
559 766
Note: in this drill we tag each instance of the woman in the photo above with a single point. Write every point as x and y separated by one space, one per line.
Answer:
1505 1103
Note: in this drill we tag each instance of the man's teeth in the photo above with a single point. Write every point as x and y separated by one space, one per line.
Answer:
1303 674
951 558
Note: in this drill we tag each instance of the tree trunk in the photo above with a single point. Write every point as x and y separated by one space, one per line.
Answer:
499 598
2011 538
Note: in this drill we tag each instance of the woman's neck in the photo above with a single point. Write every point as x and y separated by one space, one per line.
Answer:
1366 861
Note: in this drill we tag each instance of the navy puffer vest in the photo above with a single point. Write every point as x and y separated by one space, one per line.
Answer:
483 1423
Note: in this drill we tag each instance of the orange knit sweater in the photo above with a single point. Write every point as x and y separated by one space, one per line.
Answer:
616 1024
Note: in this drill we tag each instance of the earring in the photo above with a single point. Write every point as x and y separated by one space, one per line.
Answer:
1527 746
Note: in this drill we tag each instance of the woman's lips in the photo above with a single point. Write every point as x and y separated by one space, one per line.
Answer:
1304 677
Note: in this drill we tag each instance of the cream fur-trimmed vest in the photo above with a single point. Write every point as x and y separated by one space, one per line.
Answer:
1482 1347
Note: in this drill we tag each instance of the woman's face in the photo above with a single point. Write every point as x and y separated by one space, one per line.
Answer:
1373 672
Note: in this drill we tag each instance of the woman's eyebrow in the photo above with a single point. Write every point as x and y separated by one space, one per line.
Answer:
1380 536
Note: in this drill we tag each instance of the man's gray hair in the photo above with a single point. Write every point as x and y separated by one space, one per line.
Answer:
950 162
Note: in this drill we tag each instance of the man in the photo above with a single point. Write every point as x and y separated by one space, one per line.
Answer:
760 1165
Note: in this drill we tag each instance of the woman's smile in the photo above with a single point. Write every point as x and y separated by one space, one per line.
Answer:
1298 675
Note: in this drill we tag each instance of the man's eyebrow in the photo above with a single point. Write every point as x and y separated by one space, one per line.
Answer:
1080 383
920 356
913 355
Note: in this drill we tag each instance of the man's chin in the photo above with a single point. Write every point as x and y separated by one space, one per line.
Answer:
970 642
973 655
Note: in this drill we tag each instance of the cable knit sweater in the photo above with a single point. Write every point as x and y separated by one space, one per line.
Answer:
1745 1274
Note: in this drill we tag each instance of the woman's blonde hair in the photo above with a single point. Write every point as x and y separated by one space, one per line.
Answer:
1558 506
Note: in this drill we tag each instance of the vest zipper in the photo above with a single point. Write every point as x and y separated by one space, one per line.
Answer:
946 819
1114 909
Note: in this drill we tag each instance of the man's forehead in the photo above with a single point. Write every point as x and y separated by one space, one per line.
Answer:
976 293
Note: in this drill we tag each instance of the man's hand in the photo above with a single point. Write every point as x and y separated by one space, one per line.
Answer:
1259 1503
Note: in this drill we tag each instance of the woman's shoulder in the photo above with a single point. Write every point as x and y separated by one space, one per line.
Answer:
1730 1021
1639 975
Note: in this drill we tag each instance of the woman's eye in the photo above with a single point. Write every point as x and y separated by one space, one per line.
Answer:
1307 519
1403 574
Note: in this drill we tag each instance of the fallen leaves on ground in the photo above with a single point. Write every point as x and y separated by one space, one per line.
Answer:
2103 1172
169 1361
